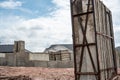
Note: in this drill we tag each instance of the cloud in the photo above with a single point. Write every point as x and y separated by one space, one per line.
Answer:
10 4
17 5
115 9
62 3
40 32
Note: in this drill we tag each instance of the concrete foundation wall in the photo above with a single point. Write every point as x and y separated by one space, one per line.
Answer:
22 59
3 61
2 55
35 60
39 56
6 59
10 59
53 64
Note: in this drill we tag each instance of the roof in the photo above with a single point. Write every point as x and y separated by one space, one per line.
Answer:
9 49
69 46
6 48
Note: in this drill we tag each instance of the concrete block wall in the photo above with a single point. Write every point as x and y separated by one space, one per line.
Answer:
10 59
61 56
53 64
19 46
3 61
40 64
21 57
6 59
2 55
39 56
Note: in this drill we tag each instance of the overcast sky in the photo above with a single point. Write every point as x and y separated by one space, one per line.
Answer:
41 23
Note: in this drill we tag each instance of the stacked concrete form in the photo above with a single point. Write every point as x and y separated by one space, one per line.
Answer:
93 39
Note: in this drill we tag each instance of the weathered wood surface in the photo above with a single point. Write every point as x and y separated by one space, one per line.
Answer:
105 40
93 40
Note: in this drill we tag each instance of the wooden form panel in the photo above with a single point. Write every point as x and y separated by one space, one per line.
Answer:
84 40
93 40
105 40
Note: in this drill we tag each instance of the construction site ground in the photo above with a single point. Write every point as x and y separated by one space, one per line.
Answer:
36 73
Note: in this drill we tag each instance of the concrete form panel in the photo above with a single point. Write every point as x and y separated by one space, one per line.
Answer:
93 40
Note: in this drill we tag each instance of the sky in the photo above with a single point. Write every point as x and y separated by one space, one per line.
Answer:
41 23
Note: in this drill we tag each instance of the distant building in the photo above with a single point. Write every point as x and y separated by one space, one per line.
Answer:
60 52
59 47
17 55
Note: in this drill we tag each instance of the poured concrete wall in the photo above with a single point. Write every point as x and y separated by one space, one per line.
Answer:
34 60
2 59
2 55
42 60
21 57
53 64
10 59
6 59
39 56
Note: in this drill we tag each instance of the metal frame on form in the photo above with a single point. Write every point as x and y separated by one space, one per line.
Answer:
96 69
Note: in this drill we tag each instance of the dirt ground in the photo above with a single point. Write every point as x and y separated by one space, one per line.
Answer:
39 73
